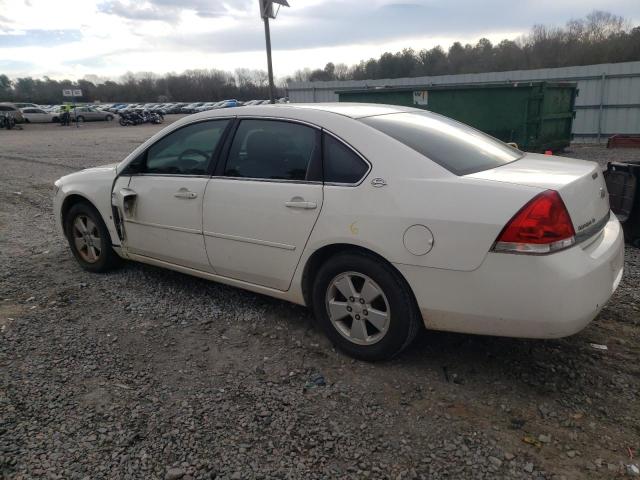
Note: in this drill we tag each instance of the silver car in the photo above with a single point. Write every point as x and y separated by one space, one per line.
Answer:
85 114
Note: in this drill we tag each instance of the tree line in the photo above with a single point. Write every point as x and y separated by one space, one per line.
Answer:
189 86
600 37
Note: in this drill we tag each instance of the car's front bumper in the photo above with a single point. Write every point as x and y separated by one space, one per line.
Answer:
528 296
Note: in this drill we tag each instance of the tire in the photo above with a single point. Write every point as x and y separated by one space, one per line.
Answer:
382 338
80 119
108 118
26 120
99 257
123 122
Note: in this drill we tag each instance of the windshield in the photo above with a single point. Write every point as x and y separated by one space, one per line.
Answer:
453 145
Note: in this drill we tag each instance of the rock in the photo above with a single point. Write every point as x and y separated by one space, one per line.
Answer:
174 474
495 461
528 467
633 470
509 456
544 438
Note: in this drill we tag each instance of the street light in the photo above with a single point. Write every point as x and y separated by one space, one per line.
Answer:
266 12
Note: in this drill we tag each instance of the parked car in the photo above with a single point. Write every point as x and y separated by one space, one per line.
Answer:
10 109
228 104
37 115
85 114
379 218
191 107
26 105
205 106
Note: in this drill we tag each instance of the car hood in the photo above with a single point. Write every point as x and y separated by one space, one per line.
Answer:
101 172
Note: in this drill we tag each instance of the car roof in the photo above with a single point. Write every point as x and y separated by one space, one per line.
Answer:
351 110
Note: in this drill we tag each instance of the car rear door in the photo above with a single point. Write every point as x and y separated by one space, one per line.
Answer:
161 204
260 207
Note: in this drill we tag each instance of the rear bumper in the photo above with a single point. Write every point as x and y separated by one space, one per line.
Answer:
525 296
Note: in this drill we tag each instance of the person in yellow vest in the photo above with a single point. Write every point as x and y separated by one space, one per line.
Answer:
65 118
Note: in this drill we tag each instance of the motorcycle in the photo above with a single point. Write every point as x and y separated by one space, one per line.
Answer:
7 121
139 117
156 118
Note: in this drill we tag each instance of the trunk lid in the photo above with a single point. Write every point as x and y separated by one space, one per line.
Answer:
580 184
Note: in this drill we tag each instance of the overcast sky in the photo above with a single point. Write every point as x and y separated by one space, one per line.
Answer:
70 39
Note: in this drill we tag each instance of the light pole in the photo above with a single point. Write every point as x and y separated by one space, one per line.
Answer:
266 12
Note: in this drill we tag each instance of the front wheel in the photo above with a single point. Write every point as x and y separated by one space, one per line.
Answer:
89 239
364 306
108 118
123 122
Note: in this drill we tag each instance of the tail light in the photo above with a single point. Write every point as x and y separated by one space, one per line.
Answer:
542 226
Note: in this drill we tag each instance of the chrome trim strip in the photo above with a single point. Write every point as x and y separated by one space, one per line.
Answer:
172 175
593 229
283 119
165 227
267 180
255 241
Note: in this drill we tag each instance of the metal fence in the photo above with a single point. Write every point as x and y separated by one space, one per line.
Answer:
608 102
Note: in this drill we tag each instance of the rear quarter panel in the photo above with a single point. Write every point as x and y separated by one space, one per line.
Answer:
465 215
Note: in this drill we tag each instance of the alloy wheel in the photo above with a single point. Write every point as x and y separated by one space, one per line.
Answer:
86 238
358 308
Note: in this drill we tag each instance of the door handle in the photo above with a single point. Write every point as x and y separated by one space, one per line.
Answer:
301 204
185 194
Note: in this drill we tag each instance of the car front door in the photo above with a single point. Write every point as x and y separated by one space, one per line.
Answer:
161 203
261 205
39 115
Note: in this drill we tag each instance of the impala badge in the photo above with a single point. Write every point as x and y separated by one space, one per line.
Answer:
378 182
594 175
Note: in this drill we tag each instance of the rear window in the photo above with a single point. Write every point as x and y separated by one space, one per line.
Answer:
453 145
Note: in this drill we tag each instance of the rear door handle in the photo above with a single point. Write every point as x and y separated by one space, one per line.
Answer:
301 204
184 193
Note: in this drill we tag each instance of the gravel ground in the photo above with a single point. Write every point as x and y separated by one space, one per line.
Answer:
146 373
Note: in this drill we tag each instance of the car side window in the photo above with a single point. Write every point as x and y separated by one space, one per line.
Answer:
341 164
273 149
187 151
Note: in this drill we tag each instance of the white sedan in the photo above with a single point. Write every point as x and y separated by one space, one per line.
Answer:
381 219
37 115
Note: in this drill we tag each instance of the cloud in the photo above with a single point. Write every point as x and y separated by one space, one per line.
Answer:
109 37
131 11
170 10
29 38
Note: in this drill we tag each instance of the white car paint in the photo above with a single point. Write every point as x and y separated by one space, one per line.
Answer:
243 234
37 115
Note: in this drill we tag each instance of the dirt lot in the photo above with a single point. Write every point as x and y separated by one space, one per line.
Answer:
145 373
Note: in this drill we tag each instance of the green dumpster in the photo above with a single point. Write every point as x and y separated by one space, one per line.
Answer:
537 116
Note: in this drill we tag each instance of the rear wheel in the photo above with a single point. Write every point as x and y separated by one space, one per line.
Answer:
364 306
80 119
108 118
89 239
